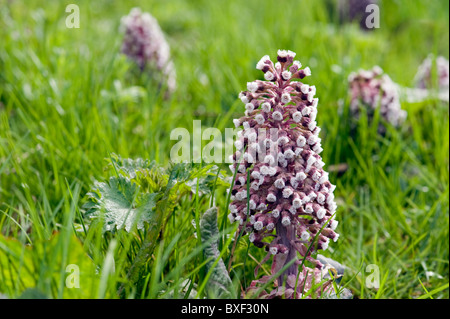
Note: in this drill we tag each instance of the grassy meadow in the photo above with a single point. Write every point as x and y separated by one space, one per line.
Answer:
71 106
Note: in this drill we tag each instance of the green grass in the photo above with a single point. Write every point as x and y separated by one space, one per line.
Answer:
63 112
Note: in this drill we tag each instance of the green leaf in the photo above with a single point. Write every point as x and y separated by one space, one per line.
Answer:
206 179
39 270
129 167
180 172
32 293
219 284
16 266
177 175
147 174
121 204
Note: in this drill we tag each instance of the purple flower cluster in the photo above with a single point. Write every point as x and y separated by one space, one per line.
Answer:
290 197
423 77
144 43
372 89
305 284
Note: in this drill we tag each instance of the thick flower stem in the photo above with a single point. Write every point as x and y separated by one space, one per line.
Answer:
287 234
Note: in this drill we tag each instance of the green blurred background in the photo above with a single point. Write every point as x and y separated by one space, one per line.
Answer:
68 99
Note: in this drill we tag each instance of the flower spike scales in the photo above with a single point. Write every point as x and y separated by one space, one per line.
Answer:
290 200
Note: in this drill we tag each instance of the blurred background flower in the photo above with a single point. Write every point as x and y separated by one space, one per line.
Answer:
144 43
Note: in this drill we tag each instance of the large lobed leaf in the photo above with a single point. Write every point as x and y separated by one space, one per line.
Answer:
121 204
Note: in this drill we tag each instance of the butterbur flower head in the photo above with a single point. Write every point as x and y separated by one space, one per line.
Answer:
424 75
374 89
145 44
295 197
